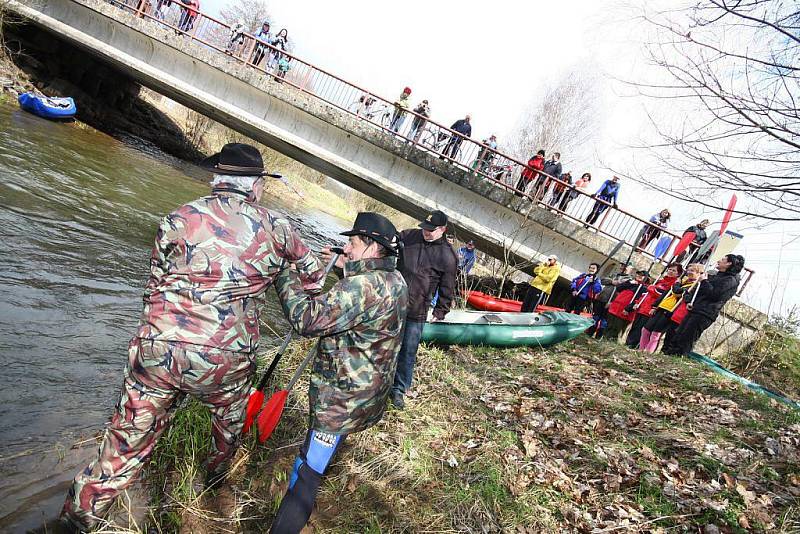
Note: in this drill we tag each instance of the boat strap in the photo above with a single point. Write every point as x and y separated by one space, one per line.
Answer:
749 384
493 318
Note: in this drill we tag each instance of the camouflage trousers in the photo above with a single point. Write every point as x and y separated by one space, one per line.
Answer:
157 376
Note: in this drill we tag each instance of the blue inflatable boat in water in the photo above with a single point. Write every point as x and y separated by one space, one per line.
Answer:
49 108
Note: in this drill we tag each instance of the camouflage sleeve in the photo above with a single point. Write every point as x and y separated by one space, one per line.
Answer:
292 248
347 304
163 247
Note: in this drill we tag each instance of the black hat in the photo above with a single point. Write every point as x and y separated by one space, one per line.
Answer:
378 228
434 220
236 159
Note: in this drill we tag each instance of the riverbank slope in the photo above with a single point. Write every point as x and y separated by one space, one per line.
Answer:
585 436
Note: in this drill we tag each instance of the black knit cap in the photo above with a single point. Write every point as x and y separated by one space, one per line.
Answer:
236 159
378 228
434 220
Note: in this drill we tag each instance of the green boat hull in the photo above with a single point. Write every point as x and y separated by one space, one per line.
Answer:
505 329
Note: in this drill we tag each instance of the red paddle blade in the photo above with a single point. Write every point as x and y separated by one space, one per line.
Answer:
684 243
254 404
271 414
728 215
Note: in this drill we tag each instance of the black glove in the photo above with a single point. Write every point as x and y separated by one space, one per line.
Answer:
629 308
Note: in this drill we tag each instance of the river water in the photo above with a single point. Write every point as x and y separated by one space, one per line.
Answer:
78 212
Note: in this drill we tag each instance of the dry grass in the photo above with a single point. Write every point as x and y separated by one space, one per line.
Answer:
586 436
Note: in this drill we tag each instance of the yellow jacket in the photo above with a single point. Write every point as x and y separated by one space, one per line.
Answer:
546 277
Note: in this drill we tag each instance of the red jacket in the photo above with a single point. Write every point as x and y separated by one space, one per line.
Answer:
653 293
679 313
617 306
536 163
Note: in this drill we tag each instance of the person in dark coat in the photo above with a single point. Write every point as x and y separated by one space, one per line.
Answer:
429 264
552 168
712 294
463 127
700 237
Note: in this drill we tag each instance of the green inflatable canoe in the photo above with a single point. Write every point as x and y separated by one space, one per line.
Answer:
505 329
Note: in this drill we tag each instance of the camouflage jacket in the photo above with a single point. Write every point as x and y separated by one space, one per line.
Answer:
212 261
360 322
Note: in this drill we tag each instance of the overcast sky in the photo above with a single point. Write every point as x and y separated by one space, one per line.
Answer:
492 60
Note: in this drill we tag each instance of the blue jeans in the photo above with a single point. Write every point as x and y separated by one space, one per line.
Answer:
398 119
407 356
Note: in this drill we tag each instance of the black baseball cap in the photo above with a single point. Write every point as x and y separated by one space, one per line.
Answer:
434 220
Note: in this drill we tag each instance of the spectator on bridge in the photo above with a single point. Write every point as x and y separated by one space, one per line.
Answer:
530 172
429 263
660 220
544 278
236 38
560 191
607 193
418 124
188 15
401 105
552 168
700 237
581 184
363 106
486 155
161 9
712 294
643 303
463 127
584 287
264 37
466 257
279 44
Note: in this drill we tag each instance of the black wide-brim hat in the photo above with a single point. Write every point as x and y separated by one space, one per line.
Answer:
377 227
236 159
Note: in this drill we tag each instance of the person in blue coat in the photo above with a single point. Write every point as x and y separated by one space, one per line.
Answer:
585 288
466 257
607 193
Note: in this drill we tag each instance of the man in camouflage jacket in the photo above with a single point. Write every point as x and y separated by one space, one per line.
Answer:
212 261
359 322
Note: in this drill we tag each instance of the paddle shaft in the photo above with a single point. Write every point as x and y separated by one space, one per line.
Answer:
274 363
303 365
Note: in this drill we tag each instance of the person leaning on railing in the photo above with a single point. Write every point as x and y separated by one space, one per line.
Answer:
401 105
607 194
560 194
418 124
529 173
552 167
463 127
264 36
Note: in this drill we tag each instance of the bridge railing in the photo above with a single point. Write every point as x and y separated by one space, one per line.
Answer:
421 132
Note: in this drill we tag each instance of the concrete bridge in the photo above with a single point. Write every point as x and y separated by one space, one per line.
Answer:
316 118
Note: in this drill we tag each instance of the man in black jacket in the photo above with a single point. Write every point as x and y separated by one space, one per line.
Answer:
463 127
552 167
712 294
428 263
